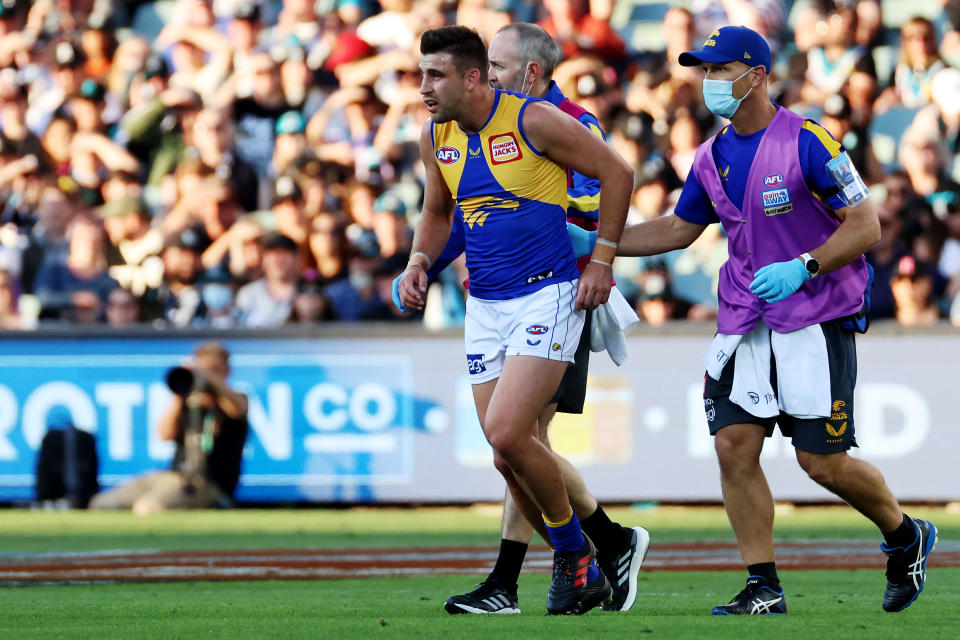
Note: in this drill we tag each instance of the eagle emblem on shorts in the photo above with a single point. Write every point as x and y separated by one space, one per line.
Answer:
836 433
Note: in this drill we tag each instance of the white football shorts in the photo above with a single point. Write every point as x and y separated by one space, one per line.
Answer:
543 324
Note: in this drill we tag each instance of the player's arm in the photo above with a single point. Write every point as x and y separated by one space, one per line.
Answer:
433 228
829 171
693 212
659 235
568 143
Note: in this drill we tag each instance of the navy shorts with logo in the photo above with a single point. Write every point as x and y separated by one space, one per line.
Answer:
814 435
573 386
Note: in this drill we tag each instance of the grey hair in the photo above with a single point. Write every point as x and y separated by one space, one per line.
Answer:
534 44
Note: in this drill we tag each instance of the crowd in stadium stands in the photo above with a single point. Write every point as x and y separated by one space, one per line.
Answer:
238 163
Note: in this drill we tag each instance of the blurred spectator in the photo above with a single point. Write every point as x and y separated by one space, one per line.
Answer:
256 119
912 288
831 64
122 308
47 241
685 137
133 253
288 211
925 159
201 57
663 86
67 74
487 20
944 112
766 17
218 301
949 264
81 284
328 246
577 30
10 318
86 107
837 119
310 305
884 256
267 302
177 300
243 31
291 140
213 144
918 63
394 234
297 79
357 296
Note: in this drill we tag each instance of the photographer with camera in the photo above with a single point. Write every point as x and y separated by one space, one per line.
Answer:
208 422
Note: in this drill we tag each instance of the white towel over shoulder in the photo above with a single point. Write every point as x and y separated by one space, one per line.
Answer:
803 371
611 320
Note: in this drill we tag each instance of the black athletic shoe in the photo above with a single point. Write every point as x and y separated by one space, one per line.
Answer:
757 597
621 567
571 591
488 597
907 567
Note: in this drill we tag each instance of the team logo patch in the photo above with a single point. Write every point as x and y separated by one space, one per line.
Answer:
773 180
504 148
776 201
475 363
537 329
836 432
556 346
448 155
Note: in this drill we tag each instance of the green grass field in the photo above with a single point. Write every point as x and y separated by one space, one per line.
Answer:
823 604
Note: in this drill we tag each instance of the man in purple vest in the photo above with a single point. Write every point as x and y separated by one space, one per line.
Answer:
522 57
798 219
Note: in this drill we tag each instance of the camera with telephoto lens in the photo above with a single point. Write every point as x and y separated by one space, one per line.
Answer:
182 381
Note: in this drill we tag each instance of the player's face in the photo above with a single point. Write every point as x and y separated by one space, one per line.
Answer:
442 86
505 70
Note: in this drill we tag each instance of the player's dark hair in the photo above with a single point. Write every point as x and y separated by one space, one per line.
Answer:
463 44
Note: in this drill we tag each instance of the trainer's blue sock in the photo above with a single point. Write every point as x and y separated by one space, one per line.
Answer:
568 536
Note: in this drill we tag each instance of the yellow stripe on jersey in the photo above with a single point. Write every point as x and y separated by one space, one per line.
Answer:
595 130
831 145
584 203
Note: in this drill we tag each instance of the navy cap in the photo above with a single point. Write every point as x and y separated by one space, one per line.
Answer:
727 44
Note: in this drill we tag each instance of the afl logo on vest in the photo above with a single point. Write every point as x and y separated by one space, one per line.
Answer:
773 180
448 155
504 148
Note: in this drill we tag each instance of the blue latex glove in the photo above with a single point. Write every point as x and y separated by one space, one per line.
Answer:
776 281
582 240
395 291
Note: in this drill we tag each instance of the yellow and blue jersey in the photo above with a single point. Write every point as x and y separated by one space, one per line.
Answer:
513 202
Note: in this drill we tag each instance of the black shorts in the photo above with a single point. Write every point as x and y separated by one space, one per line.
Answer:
573 387
814 435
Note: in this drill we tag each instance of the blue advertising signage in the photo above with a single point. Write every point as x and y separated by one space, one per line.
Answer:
316 420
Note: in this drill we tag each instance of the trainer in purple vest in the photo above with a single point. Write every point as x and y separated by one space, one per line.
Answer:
781 219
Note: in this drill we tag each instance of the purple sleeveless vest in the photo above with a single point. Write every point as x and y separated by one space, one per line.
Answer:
781 219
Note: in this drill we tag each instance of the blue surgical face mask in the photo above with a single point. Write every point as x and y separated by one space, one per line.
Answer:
718 96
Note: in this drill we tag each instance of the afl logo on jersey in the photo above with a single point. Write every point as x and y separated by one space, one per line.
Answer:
537 329
773 179
504 148
448 155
